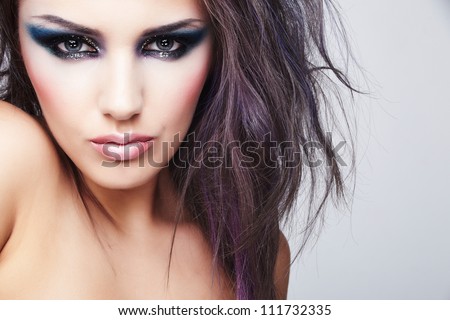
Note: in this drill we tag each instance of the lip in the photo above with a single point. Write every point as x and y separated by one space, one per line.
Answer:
122 147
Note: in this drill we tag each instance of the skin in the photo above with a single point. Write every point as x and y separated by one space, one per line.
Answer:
48 246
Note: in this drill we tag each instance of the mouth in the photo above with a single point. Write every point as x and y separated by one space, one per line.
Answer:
125 147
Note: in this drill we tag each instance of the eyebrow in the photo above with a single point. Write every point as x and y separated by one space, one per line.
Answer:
69 25
95 33
170 27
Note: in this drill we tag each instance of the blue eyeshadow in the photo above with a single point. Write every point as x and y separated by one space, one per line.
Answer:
51 40
189 39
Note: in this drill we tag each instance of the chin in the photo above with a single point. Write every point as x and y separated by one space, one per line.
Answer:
122 178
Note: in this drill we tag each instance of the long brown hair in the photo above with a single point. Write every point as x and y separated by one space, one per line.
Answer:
264 105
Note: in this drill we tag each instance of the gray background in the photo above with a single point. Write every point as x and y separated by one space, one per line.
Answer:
396 242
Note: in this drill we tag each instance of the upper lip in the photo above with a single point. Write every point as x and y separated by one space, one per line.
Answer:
122 139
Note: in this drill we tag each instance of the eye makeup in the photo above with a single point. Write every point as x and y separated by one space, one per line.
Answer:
64 44
184 40
72 46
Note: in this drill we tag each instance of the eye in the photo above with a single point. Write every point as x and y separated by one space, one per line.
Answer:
171 46
162 44
63 44
75 45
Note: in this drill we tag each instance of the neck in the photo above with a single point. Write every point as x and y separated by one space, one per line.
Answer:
139 208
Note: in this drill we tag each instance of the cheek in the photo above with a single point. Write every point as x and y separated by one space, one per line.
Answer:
185 98
179 93
60 89
45 82
57 84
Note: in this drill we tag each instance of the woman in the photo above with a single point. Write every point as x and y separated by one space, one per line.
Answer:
154 157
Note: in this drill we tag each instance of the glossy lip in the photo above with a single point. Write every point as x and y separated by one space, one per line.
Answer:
122 147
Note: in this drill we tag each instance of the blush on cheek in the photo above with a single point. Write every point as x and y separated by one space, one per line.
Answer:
191 91
174 95
44 83
193 87
45 91
57 92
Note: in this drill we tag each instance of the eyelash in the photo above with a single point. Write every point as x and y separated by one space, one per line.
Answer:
54 44
183 44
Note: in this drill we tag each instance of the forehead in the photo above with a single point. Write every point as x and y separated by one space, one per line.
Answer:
115 15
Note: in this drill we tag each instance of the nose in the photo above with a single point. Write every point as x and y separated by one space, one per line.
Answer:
121 94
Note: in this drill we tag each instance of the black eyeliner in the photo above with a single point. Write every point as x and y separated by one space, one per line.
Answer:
50 39
188 39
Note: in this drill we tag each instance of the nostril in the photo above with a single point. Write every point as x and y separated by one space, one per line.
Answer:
121 104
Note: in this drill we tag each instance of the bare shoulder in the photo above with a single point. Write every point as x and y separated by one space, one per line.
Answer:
28 156
27 151
282 267
192 260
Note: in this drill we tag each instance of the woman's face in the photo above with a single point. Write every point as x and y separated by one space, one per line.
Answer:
118 81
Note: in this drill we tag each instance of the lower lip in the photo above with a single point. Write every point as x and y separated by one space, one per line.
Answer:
125 152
